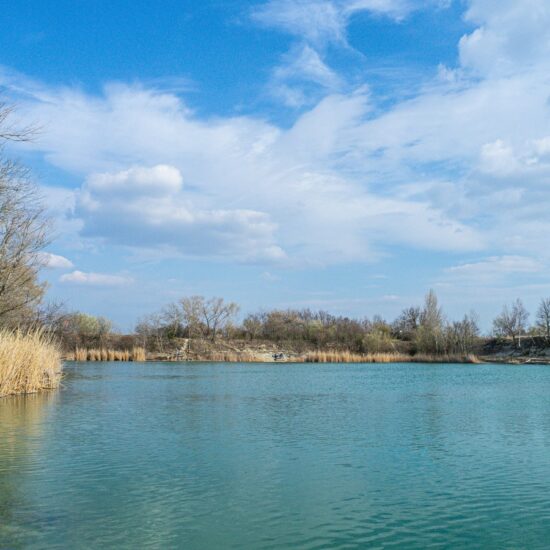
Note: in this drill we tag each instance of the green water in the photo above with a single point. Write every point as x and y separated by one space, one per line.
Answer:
208 456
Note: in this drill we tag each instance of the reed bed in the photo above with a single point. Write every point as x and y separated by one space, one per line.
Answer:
139 354
447 358
103 354
29 362
350 357
235 357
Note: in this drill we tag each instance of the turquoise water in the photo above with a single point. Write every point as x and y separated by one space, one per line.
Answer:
208 456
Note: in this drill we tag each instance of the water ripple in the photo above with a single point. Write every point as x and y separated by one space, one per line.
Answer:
313 457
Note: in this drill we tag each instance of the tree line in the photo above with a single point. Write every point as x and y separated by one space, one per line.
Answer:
418 329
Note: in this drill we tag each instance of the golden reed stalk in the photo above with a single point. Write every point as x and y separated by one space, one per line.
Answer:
29 362
103 354
349 357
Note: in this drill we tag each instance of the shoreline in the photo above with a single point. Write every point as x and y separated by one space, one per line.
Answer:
541 361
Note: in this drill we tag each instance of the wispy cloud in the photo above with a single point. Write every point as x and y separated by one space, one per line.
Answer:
323 21
95 279
55 261
495 267
303 74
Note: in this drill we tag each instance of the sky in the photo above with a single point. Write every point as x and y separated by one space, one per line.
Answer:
344 155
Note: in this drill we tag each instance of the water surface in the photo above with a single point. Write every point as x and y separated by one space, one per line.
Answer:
208 456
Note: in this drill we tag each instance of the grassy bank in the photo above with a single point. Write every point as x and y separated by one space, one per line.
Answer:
29 362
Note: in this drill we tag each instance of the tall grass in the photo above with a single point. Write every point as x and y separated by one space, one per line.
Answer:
226 356
349 357
335 357
448 358
139 354
234 357
29 362
103 354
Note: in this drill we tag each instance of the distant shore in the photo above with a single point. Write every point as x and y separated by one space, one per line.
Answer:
261 352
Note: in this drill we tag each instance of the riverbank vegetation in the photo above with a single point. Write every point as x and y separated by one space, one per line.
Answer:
200 329
417 330
29 362
29 358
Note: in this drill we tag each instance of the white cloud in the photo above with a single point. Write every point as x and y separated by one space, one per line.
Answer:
239 188
145 207
95 279
496 266
323 21
491 281
54 261
498 158
137 181
306 63
462 166
300 68
317 21
511 36
303 75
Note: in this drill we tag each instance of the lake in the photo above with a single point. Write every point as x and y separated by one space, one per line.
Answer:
258 456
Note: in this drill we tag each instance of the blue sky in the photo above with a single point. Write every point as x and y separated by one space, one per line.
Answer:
336 154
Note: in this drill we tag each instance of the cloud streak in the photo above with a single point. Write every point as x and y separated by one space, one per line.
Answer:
55 261
95 279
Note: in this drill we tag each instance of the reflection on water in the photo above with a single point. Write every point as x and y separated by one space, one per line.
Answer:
279 456
22 424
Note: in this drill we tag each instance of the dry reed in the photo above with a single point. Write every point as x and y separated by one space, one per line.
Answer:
29 362
349 357
235 357
139 354
447 358
103 354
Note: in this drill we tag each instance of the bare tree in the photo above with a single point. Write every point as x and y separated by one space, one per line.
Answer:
190 309
173 318
462 336
52 316
543 318
406 325
429 336
151 330
207 317
80 329
512 322
253 325
10 131
23 230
